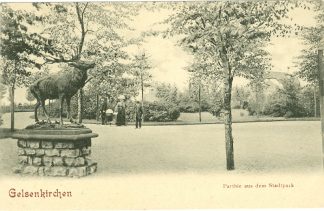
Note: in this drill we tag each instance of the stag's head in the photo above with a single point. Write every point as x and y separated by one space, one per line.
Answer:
82 65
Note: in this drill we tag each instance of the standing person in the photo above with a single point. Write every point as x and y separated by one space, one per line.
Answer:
120 111
138 114
103 109
117 112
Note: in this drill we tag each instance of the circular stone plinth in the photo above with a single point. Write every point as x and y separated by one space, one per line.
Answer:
54 134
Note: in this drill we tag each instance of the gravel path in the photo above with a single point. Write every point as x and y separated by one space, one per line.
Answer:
272 147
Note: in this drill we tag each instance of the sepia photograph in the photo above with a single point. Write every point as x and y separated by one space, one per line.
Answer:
161 105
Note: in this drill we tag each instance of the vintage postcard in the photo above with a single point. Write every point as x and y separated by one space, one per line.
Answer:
161 105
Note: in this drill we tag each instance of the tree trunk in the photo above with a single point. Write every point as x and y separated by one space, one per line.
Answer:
257 100
97 107
142 90
199 100
315 103
321 89
228 123
12 107
80 105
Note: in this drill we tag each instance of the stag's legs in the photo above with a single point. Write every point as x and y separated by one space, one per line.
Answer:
46 114
36 107
61 109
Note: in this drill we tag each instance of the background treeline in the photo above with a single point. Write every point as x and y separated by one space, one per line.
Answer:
284 100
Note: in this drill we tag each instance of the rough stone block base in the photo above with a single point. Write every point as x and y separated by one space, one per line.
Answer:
64 158
56 171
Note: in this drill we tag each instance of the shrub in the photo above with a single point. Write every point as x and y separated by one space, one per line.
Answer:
193 107
156 111
215 110
289 101
289 114
251 110
275 110
245 105
161 112
189 107
130 112
174 113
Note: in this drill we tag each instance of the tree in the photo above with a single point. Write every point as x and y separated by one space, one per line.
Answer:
71 45
257 86
233 36
18 47
141 65
312 38
167 92
12 74
85 31
240 97
307 62
307 101
199 77
29 96
292 94
3 90
286 100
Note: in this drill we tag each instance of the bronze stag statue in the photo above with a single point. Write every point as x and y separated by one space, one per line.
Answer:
61 86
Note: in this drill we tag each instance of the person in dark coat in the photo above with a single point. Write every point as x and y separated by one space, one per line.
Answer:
103 109
121 113
138 114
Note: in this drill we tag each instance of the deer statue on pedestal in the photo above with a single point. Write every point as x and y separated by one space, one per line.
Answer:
61 86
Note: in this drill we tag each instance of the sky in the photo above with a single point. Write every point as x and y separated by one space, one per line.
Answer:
169 60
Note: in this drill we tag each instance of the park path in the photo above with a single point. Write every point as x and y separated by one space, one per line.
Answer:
259 147
183 166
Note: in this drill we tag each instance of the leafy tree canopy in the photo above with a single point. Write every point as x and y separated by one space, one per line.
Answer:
313 39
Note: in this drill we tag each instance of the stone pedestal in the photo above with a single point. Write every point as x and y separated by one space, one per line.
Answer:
55 152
